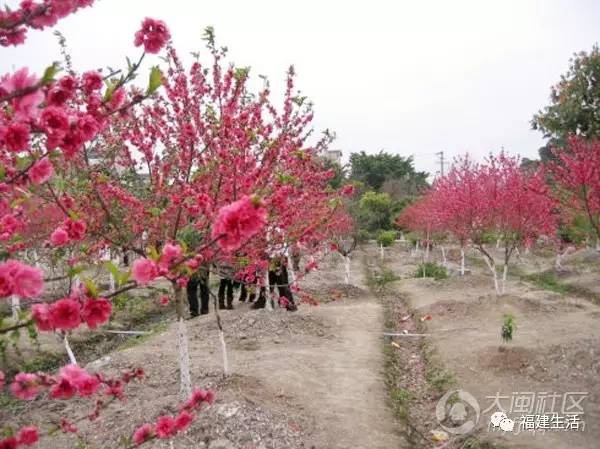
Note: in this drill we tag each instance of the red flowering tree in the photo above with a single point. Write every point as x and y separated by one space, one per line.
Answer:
129 169
474 200
576 179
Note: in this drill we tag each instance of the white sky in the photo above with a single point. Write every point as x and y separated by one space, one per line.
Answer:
410 77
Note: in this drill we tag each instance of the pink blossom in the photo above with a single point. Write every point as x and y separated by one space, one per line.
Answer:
40 313
2 379
164 300
9 443
41 171
144 271
96 312
143 434
198 398
153 35
63 389
20 279
75 228
28 435
25 106
65 314
183 420
238 221
83 382
59 237
16 137
87 126
55 123
92 81
67 427
165 426
26 386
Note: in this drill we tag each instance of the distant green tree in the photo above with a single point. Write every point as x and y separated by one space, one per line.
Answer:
375 211
375 169
574 102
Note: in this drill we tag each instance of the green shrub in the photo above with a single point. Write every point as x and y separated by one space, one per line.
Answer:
386 238
431 270
363 236
508 328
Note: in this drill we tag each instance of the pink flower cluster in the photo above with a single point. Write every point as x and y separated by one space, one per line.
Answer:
169 426
37 15
19 279
146 270
69 313
153 35
27 436
71 381
70 230
239 222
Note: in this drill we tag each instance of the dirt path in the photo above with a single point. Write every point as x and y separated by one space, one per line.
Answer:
337 380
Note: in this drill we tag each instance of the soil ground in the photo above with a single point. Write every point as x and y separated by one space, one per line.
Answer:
555 350
310 379
326 377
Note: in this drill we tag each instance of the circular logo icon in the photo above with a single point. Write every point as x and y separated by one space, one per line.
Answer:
457 412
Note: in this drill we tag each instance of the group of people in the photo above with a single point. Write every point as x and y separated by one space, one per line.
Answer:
198 287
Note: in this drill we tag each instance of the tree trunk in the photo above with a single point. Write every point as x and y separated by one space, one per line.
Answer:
268 299
15 303
492 266
462 261
504 275
185 382
381 251
69 350
347 269
444 261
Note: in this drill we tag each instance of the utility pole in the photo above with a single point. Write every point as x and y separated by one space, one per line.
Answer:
441 155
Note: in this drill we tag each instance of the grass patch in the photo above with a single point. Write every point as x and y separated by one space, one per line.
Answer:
431 270
381 280
548 280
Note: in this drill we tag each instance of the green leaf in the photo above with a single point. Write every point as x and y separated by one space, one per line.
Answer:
112 268
154 254
155 211
123 278
91 287
155 80
74 271
50 73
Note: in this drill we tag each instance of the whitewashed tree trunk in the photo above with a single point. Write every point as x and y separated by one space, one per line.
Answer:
69 351
492 266
268 303
498 243
15 304
444 261
416 247
462 261
381 251
504 276
347 269
224 353
185 381
402 239
559 258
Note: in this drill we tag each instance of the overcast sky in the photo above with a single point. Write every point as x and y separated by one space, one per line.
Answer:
410 77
